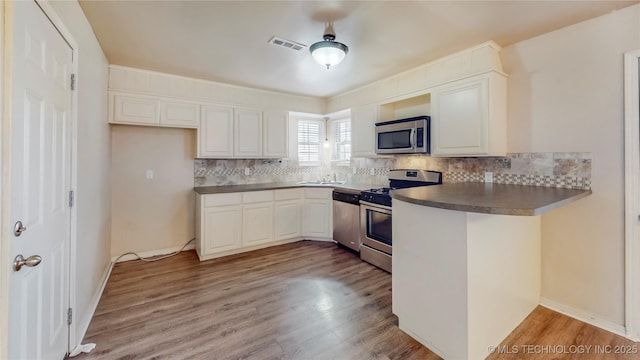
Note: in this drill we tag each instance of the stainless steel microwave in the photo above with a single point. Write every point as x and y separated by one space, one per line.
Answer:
403 136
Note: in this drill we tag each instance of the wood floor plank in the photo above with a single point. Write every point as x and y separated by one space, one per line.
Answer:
299 301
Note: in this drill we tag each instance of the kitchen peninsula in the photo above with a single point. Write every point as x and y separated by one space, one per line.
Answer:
466 261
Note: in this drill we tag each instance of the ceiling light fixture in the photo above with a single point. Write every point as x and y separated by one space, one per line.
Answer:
328 52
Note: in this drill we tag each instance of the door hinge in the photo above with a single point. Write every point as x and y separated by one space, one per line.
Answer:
69 316
73 81
71 198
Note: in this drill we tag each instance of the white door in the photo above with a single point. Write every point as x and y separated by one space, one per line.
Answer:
40 183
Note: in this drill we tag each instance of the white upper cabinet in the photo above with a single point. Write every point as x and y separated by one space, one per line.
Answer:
469 117
180 114
135 109
275 134
363 119
129 109
247 133
227 132
215 137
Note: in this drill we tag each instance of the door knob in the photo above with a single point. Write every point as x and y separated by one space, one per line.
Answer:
18 229
31 261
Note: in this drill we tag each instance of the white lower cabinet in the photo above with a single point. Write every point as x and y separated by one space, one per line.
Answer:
288 214
235 222
318 213
219 223
257 218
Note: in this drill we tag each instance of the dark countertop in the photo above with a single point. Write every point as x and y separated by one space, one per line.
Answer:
203 190
490 198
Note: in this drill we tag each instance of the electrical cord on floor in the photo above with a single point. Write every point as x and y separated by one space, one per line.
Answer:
153 258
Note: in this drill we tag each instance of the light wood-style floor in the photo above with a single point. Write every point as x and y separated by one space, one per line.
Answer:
306 300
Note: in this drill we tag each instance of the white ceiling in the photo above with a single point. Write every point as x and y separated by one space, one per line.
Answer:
226 41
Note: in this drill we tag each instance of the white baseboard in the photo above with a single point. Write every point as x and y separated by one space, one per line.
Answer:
584 316
83 324
151 253
319 239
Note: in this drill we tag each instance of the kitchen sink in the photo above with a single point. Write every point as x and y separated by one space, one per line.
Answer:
320 182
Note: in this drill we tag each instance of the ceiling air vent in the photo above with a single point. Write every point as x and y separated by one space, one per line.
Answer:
286 43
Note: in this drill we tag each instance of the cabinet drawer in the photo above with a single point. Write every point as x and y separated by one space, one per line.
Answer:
222 199
288 194
257 196
318 193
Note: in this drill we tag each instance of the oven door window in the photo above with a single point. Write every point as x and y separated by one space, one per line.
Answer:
400 139
379 226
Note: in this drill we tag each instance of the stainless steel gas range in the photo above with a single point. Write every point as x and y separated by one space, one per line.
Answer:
375 214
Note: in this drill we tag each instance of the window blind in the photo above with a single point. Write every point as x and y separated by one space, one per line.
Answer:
310 141
341 134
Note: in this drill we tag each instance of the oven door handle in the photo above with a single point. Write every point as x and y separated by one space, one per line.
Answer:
374 207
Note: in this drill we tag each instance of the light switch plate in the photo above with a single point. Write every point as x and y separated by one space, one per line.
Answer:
488 177
149 174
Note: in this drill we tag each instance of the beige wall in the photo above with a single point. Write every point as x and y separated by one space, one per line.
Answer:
566 94
155 214
93 191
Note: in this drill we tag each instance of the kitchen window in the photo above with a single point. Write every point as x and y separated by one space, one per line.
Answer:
341 135
311 138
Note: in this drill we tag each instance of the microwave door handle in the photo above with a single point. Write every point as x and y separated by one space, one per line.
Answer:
412 139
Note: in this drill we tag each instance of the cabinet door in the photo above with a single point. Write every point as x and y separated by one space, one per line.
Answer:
215 137
317 218
248 133
135 110
222 228
275 139
460 119
257 223
363 121
288 219
180 114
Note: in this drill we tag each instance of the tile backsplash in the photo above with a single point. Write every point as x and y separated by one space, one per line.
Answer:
566 169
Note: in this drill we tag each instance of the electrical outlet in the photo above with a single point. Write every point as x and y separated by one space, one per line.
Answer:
354 171
488 177
149 174
247 171
372 171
